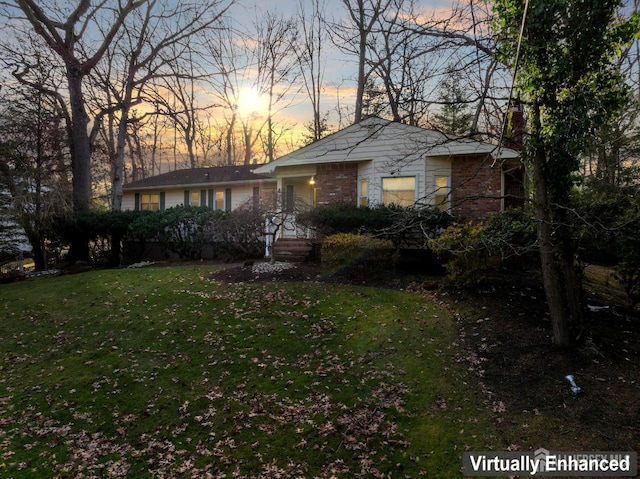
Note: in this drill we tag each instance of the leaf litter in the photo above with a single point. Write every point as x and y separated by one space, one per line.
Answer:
215 380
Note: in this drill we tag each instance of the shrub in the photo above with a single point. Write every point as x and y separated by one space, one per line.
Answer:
143 232
237 234
197 232
346 218
184 229
104 229
357 257
469 250
627 246
627 272
406 227
465 257
606 222
511 236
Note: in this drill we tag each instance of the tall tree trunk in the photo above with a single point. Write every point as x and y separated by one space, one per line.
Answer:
118 168
361 79
229 140
80 158
248 133
561 285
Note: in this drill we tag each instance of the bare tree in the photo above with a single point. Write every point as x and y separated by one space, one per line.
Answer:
70 32
154 44
34 158
228 60
175 97
276 68
353 38
404 61
465 38
404 53
310 53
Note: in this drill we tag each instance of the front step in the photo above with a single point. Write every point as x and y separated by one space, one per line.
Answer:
292 250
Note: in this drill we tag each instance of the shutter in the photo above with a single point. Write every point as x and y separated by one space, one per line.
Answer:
203 197
136 206
210 199
187 198
256 197
162 201
227 199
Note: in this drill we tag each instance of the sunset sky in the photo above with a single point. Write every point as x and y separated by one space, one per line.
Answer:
339 82
340 70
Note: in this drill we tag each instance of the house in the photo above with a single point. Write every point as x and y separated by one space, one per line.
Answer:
219 188
369 163
378 161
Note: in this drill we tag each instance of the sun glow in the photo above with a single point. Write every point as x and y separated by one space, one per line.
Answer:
252 104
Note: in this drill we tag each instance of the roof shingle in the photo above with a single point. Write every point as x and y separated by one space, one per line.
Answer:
198 177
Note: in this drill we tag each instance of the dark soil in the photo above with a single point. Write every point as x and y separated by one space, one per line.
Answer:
508 326
506 339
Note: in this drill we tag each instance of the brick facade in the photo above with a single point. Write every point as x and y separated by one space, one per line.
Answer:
336 183
476 187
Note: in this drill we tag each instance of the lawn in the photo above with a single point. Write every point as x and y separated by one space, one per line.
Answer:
162 372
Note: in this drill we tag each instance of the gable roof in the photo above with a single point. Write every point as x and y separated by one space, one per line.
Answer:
208 176
375 137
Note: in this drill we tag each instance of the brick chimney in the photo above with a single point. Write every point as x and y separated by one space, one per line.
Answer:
514 127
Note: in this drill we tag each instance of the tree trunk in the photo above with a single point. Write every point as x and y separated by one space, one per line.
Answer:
229 140
80 158
361 79
118 168
37 246
561 285
116 249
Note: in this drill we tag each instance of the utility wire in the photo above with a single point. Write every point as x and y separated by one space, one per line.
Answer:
515 74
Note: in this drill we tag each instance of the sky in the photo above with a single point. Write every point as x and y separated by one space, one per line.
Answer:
340 70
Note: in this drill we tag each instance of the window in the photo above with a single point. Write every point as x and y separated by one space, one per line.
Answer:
399 191
191 198
150 202
442 193
364 193
219 200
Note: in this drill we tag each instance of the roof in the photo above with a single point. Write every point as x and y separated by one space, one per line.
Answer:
198 177
375 137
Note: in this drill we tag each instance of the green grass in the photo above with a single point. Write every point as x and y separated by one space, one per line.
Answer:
160 372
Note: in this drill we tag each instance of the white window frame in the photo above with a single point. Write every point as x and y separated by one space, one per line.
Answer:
363 193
